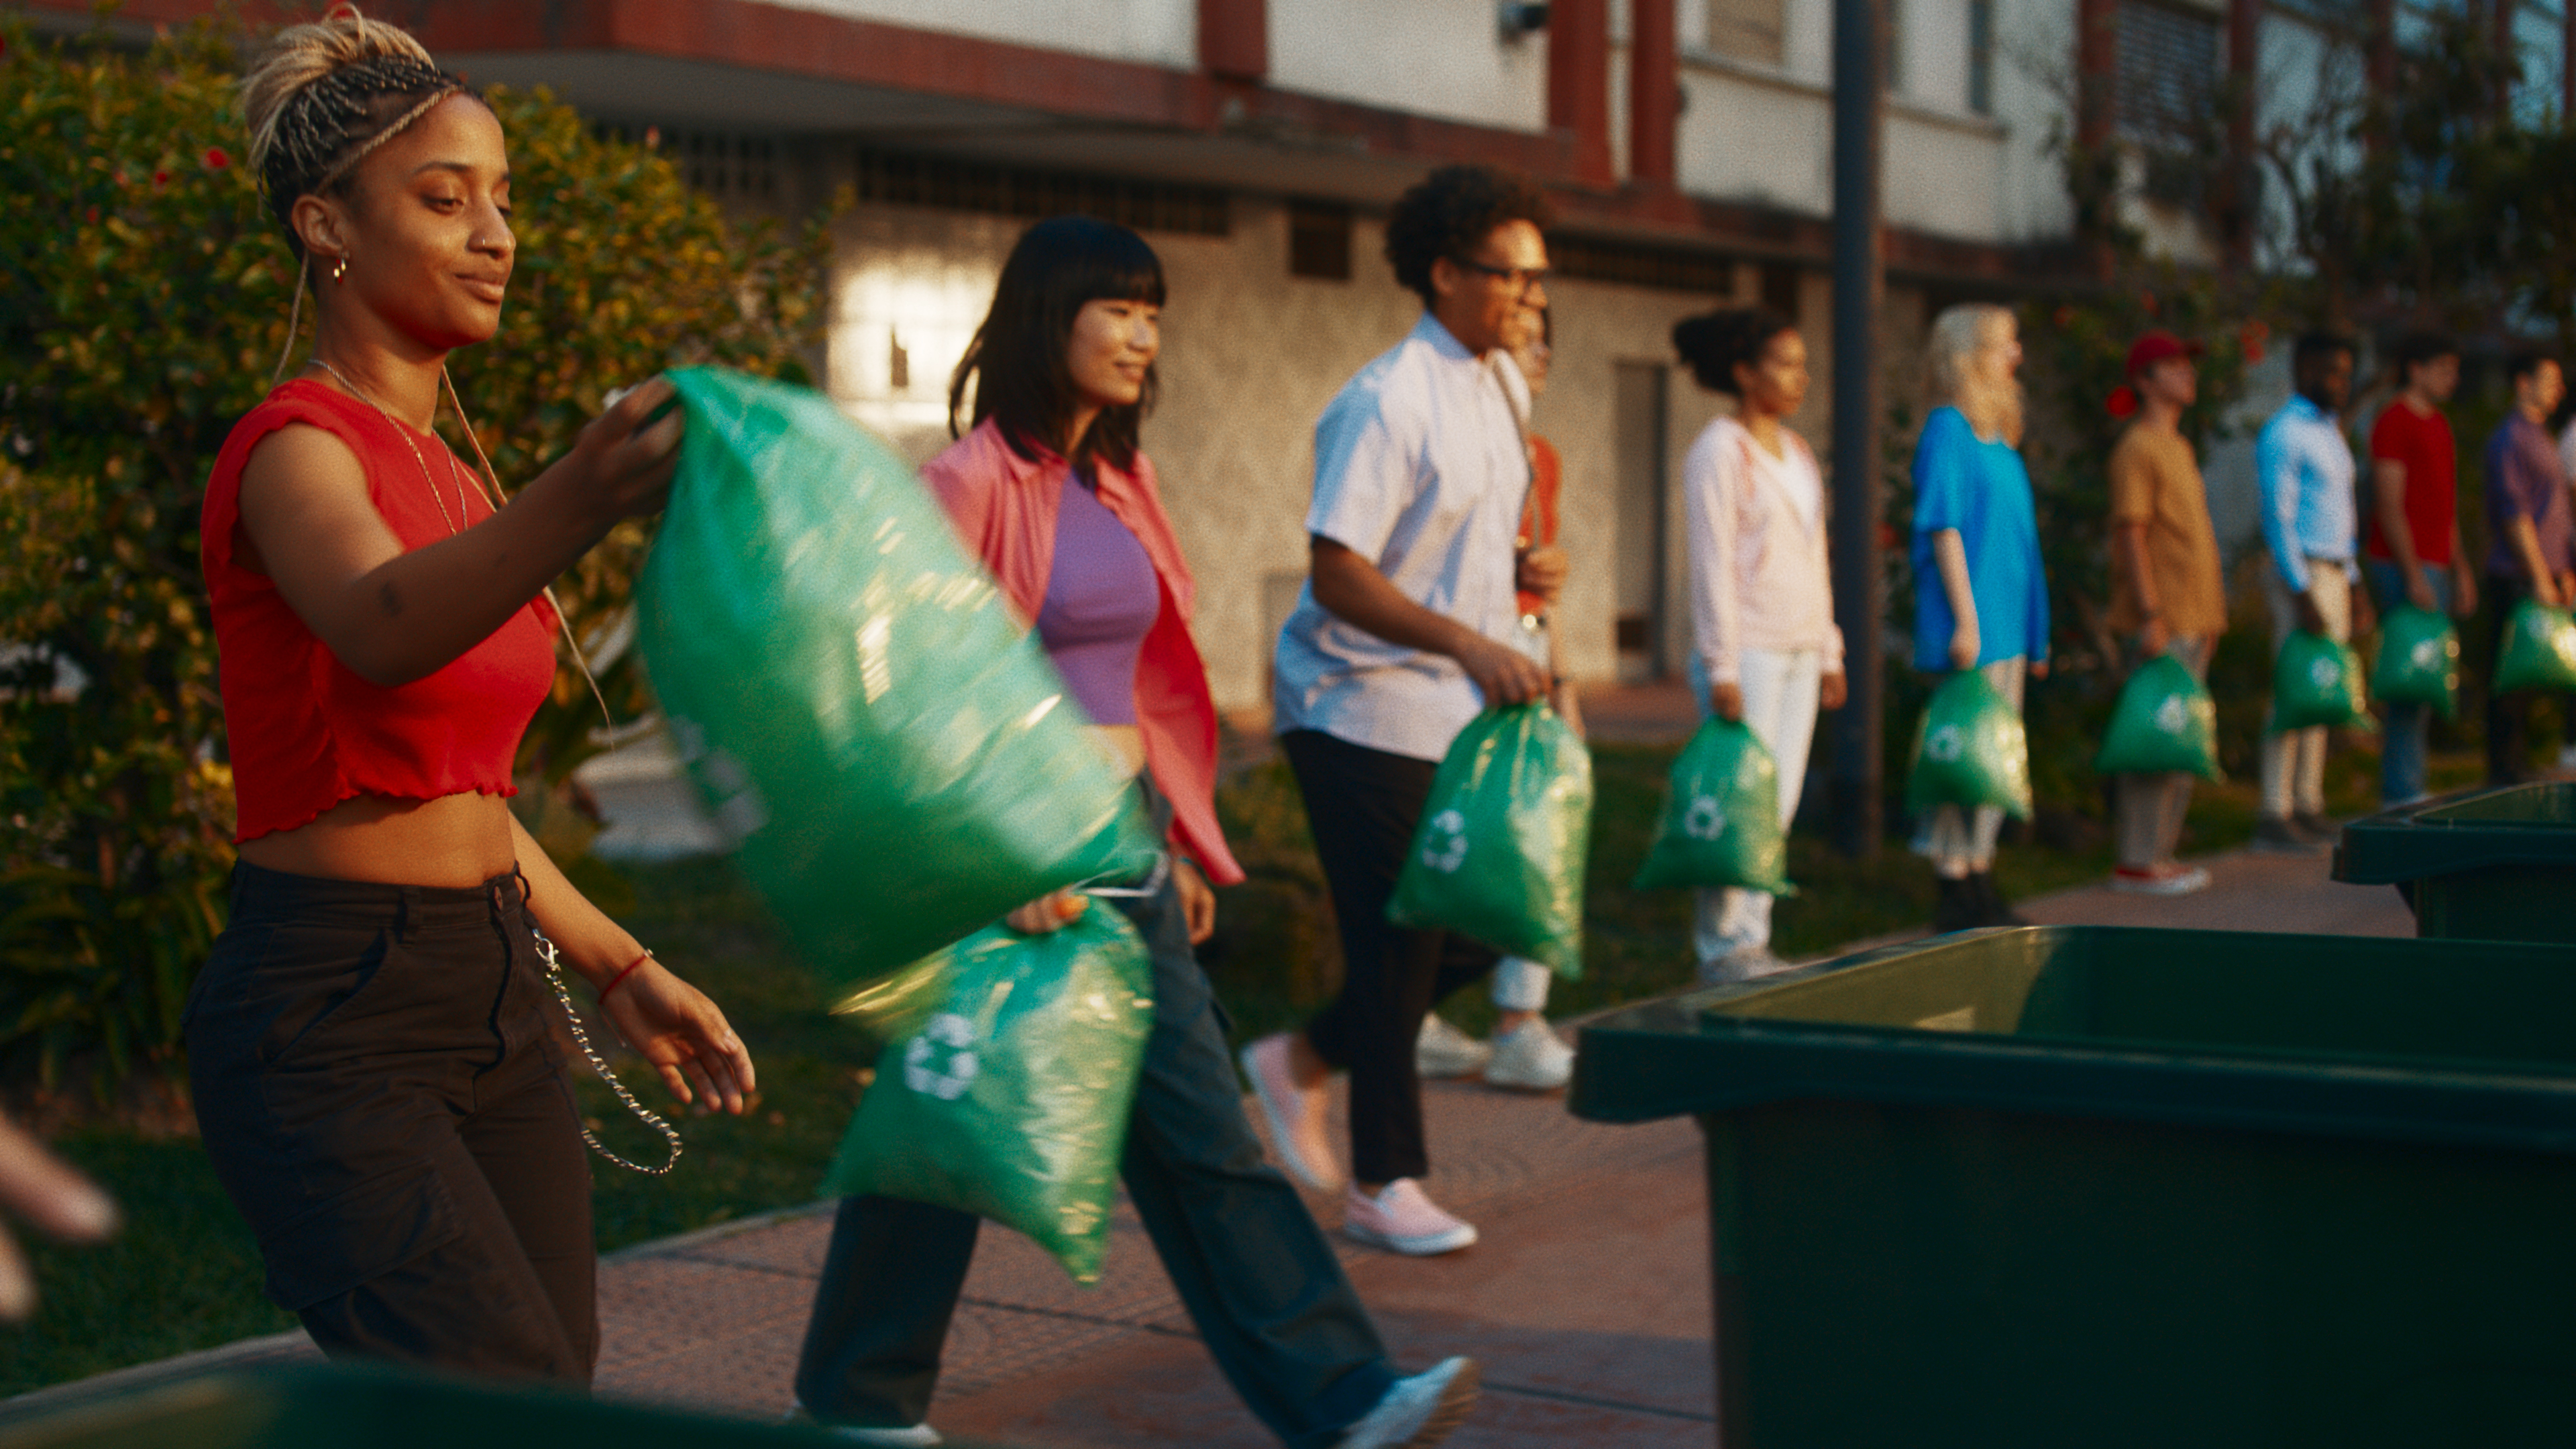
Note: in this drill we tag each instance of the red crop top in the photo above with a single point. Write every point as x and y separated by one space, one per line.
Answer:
307 732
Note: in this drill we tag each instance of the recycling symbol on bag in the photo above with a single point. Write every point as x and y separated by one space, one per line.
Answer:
938 1063
2170 715
2324 673
1704 820
1444 846
1945 744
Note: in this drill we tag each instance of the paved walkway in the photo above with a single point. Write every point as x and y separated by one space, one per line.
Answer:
1587 1300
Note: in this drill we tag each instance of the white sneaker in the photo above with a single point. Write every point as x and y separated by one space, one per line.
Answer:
1295 1114
919 1436
1402 1218
1444 1051
1531 1057
1418 1411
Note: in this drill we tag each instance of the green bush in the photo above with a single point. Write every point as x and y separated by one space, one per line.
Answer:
144 293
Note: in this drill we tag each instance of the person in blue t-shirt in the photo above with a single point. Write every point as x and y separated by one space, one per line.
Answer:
1980 601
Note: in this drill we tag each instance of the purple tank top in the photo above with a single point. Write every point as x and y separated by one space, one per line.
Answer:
1101 599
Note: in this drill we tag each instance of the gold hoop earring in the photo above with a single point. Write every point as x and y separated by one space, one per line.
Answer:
340 269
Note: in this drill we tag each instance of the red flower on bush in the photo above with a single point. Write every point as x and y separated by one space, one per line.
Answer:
2123 402
160 178
216 160
2065 316
93 216
2251 338
2147 303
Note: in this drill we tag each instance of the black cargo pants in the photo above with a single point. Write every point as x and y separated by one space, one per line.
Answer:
378 1086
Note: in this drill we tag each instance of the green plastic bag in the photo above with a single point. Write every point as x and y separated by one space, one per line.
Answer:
2419 660
2539 649
2317 681
2164 723
1721 821
1009 1098
890 750
1970 750
1500 851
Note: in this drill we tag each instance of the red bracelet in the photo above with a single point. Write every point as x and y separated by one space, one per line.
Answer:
615 981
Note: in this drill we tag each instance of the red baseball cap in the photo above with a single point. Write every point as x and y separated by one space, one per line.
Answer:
2158 346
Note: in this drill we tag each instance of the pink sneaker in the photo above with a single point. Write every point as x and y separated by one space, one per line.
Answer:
1295 1114
1402 1218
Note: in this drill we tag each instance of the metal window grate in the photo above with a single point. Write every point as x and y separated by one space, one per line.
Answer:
1593 259
727 165
954 184
2168 73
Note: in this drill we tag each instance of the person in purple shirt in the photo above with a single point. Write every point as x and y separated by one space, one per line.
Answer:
2528 533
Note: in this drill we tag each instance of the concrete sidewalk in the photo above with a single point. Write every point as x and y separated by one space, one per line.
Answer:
1587 1300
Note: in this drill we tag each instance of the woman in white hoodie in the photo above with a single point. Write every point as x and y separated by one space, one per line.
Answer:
1765 647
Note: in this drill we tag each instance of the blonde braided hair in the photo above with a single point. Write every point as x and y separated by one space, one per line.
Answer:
319 101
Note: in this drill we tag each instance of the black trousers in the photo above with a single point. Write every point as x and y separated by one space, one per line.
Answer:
1363 805
1260 1281
2509 715
377 1084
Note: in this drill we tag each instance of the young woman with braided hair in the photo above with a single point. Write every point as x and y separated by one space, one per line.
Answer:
370 1042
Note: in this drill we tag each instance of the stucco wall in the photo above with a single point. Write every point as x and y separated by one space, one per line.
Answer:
1250 356
1442 58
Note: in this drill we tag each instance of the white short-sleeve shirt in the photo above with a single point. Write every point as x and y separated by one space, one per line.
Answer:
1420 468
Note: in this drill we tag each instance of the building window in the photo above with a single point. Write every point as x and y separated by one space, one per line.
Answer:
1749 29
1319 240
2168 77
1601 259
1981 56
1780 289
956 184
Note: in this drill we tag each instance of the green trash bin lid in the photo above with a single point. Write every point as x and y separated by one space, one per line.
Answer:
2466 1042
2531 824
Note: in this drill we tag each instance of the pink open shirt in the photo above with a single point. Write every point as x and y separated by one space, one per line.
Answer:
1004 507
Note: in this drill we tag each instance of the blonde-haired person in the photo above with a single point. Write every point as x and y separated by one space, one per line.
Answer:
1766 649
1980 600
370 1041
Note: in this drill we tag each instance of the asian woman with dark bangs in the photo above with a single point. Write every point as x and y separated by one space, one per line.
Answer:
1050 489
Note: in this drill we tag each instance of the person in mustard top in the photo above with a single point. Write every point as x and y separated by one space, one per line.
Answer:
2167 593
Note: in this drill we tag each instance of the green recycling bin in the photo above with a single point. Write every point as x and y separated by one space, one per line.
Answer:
2492 865
313 1407
2126 1187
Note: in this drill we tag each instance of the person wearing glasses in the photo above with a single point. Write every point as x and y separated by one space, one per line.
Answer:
1407 628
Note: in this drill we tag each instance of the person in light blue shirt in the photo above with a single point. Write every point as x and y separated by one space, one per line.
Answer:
2305 470
1980 599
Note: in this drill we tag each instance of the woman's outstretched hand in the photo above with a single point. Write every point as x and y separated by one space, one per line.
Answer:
686 1038
1048 913
619 466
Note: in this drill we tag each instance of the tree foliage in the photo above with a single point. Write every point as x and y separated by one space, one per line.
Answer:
144 294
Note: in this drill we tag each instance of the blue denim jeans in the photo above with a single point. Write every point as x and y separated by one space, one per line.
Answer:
2404 728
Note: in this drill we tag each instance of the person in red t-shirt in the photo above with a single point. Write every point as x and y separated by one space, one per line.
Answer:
2411 543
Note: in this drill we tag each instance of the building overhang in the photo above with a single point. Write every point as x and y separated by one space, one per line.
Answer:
749 66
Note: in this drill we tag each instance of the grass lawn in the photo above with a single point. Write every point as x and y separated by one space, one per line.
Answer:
185 1274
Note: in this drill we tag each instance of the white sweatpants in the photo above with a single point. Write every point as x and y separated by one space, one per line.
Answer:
1780 699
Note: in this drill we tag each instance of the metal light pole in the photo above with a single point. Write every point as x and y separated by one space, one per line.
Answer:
1859 102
